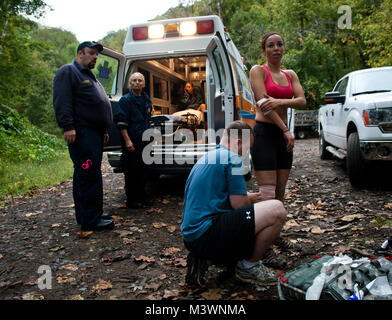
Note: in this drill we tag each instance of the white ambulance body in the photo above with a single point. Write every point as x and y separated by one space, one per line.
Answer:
170 53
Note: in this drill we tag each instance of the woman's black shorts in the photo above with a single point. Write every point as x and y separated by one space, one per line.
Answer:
269 150
230 238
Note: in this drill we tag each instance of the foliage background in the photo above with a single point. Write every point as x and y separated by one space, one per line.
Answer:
316 49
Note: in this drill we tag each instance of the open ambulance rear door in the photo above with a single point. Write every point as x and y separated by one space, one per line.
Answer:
220 89
111 69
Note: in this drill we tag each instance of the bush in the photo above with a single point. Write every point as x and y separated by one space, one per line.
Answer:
20 140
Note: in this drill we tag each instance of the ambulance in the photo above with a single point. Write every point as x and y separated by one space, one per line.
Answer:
170 53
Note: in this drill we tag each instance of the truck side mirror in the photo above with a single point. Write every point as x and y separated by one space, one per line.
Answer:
334 97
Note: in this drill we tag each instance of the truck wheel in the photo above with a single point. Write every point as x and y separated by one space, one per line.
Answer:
301 134
356 164
324 153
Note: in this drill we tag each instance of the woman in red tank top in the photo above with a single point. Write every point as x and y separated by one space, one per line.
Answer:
274 143
272 151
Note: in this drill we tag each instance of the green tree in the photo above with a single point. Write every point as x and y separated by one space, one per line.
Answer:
115 39
374 26
10 9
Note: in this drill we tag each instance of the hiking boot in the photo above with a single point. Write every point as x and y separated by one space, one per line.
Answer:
259 274
272 260
286 245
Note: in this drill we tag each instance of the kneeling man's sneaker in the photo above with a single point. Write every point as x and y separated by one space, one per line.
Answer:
258 274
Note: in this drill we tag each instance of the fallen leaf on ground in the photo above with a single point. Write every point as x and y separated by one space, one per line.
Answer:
170 294
32 296
212 294
153 286
123 233
117 256
55 249
158 225
351 217
102 285
71 267
180 262
319 212
342 249
170 251
314 217
164 201
314 206
33 214
317 230
61 280
56 225
154 296
156 210
127 240
117 219
145 259
388 206
290 223
171 229
1 256
31 282
84 234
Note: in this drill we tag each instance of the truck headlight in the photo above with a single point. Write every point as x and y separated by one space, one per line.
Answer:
374 117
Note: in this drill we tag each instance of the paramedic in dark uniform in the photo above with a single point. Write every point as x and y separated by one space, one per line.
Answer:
132 118
84 112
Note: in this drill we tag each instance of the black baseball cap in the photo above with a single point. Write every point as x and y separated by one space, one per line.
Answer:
90 44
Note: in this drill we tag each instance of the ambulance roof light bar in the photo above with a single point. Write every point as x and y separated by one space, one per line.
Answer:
185 28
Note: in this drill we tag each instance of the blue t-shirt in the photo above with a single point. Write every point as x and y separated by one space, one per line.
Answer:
212 180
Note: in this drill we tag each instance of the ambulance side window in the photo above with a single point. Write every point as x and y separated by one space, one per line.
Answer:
220 67
106 72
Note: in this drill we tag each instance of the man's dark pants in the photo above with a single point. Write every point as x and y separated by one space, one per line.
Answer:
135 172
86 155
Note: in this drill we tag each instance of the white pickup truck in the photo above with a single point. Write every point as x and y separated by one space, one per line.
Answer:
356 122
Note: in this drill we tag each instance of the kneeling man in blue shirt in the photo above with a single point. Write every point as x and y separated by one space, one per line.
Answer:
221 221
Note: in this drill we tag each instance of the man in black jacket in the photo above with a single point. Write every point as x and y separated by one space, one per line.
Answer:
84 112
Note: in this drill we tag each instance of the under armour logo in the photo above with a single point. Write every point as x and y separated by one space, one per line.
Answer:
248 215
87 164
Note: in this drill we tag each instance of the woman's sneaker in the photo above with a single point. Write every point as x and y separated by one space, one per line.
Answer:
259 274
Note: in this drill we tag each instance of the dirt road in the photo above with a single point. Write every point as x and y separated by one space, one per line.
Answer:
144 256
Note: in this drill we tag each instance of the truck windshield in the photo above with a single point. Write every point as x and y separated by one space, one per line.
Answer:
373 81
